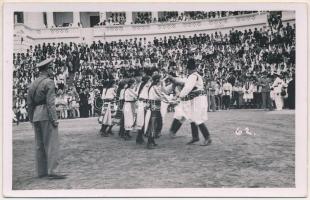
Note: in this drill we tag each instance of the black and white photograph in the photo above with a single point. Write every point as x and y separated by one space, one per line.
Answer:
155 100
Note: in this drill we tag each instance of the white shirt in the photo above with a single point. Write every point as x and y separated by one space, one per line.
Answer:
144 91
110 94
130 95
228 88
121 94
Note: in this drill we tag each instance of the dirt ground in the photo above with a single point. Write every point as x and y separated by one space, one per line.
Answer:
93 162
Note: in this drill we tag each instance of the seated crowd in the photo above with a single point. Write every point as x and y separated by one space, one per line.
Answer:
242 69
171 16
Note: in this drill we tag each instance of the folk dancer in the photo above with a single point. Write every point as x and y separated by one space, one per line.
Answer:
155 122
179 116
119 118
142 104
108 109
129 108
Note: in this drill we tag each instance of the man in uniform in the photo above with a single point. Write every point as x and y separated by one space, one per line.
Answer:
42 115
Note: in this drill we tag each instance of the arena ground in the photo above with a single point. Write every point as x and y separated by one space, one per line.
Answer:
94 162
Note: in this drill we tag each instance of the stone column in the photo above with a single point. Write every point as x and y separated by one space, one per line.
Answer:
155 15
103 16
128 17
15 19
34 19
50 19
76 19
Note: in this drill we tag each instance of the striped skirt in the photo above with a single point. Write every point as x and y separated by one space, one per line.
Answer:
107 113
155 122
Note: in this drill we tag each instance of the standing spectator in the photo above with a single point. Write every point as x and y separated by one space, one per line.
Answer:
265 91
42 113
227 92
248 90
291 93
84 103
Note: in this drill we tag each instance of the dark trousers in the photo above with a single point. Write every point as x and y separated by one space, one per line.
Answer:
257 99
47 147
226 101
266 101
235 98
212 103
121 126
218 101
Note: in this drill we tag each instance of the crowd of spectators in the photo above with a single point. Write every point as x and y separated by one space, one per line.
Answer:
170 16
244 59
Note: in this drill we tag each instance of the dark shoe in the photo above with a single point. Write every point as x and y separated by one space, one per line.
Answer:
56 176
149 146
206 142
192 141
105 135
42 176
140 141
126 137
172 135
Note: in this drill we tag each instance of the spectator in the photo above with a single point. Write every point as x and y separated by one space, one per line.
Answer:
237 57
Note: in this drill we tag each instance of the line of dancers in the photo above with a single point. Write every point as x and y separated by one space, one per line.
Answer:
141 103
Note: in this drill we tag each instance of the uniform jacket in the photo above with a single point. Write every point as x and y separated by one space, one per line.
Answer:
45 92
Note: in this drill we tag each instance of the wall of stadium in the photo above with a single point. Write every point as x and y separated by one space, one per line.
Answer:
149 31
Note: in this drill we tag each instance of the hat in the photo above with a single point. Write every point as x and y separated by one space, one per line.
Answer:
191 64
156 77
44 62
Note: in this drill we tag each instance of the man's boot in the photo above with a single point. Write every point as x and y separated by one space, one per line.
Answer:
205 132
195 133
175 126
139 139
103 129
109 132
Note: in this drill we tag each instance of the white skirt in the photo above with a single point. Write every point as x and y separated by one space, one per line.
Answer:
129 115
163 109
196 110
179 113
140 115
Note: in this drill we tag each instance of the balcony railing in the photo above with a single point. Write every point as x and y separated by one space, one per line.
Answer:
147 30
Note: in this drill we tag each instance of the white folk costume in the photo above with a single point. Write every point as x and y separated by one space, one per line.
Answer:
129 109
142 104
155 122
194 99
179 116
279 93
120 106
141 110
195 104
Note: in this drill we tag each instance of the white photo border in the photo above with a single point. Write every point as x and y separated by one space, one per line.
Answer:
301 175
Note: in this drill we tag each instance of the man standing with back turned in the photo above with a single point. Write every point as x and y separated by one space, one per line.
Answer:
42 114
